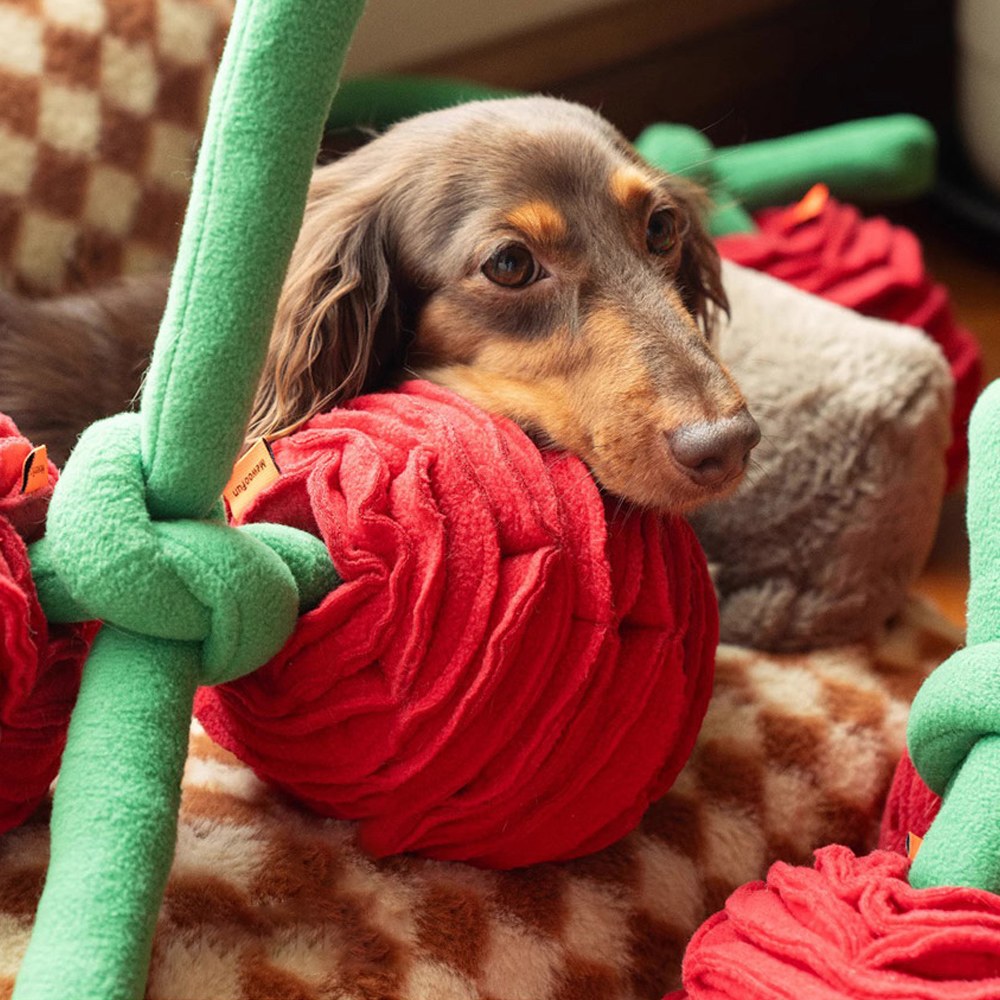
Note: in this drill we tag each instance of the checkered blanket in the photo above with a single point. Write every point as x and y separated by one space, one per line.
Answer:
101 110
268 902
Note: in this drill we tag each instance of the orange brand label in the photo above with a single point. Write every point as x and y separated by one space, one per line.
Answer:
812 204
35 471
255 470
913 843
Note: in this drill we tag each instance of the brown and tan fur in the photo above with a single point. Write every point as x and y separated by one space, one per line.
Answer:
606 354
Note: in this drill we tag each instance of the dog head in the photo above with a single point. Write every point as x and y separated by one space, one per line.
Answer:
520 253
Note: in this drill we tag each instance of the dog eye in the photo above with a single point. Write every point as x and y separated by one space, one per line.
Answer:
661 231
512 266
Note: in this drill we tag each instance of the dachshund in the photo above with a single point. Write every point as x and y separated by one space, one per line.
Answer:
518 252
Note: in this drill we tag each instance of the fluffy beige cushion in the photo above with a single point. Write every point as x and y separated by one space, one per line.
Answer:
841 505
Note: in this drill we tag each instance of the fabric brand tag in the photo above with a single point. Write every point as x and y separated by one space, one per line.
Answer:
812 204
913 843
255 470
35 470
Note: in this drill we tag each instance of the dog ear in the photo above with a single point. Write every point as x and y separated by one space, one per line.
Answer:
337 322
699 274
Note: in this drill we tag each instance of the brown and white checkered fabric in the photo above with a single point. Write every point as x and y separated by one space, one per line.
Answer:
268 902
101 108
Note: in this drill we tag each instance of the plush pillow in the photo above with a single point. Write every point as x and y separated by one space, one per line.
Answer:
101 108
842 501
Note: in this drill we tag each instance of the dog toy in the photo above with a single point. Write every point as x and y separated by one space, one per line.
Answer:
875 159
511 670
136 534
954 729
380 101
847 928
41 663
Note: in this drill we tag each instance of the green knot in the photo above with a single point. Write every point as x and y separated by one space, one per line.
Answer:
955 708
954 741
237 591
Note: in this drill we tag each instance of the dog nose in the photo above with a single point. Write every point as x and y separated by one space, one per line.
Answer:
711 452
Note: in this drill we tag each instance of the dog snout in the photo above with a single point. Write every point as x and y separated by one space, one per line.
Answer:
712 452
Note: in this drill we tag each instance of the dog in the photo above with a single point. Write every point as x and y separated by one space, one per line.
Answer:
516 251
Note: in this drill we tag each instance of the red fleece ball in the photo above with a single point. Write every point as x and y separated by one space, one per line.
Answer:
513 667
848 928
40 665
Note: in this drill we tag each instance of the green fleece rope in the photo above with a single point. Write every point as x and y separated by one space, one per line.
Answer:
136 534
875 159
954 728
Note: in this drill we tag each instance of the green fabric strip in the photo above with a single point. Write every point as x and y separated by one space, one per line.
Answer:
954 727
265 122
115 810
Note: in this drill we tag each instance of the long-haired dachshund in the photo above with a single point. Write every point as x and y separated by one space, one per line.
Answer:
518 252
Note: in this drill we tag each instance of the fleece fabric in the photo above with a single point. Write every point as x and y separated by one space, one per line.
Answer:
875 268
114 815
839 510
512 669
910 808
954 730
848 928
874 159
39 666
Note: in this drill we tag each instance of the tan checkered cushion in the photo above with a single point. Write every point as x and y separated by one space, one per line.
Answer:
101 107
267 901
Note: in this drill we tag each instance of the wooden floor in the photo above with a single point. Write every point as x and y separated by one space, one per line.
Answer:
970 269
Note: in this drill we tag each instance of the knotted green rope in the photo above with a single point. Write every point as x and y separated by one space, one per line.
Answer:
136 534
954 729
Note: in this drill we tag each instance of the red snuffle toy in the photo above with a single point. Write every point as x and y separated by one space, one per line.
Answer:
513 667
869 265
40 665
848 928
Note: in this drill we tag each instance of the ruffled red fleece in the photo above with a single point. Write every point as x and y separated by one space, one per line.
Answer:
510 671
848 928
39 665
910 808
875 268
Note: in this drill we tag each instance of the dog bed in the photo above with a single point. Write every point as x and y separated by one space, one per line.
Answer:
266 900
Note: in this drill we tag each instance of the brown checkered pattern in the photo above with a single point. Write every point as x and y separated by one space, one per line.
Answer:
101 108
268 902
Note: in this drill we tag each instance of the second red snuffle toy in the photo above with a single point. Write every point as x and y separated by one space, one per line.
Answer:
40 664
867 264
